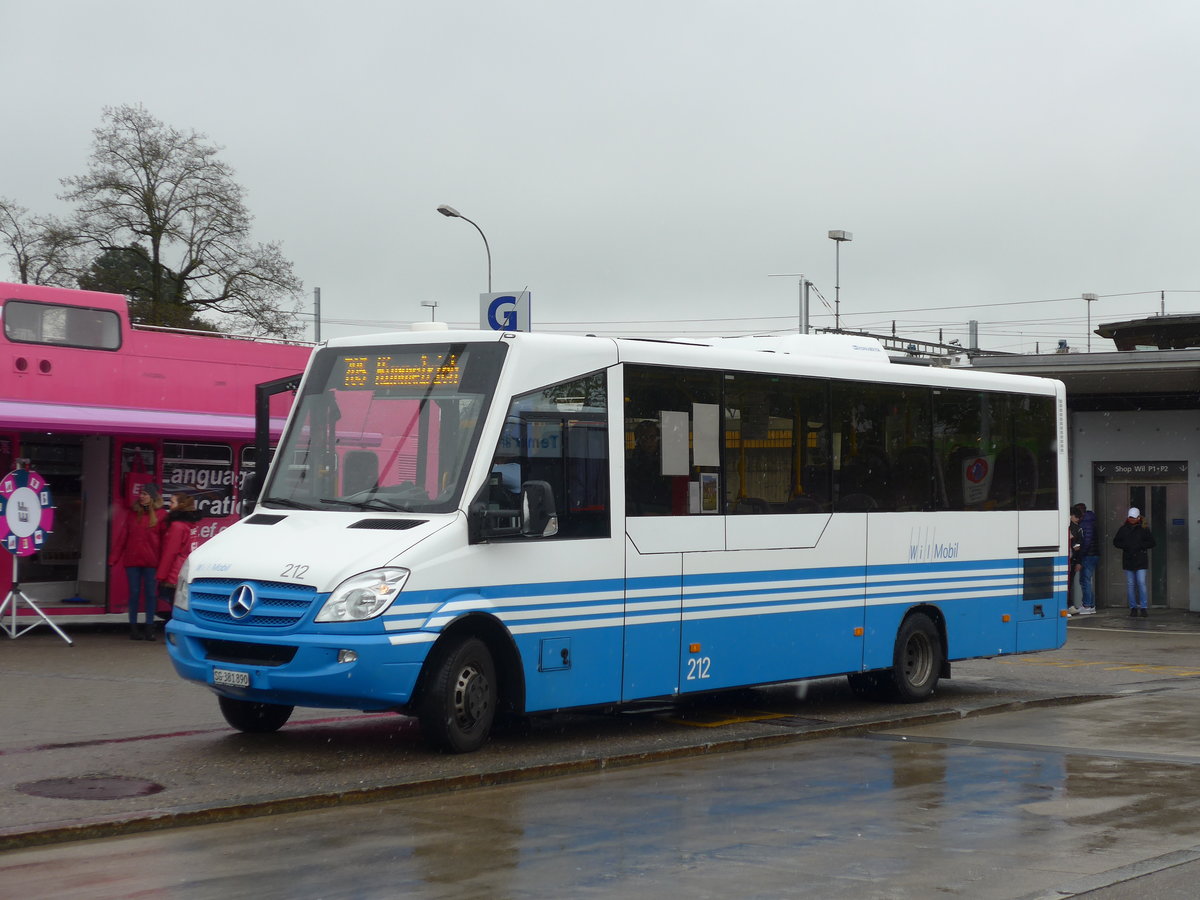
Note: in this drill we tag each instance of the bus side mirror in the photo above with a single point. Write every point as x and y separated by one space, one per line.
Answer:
538 516
250 493
534 517
493 514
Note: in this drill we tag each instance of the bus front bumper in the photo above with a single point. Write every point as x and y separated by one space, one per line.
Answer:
376 675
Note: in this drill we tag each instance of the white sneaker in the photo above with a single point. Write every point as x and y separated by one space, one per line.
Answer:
1070 610
1088 611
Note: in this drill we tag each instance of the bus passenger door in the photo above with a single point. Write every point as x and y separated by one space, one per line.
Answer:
653 609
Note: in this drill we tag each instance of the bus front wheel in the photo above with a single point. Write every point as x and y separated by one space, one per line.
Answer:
459 701
916 661
254 718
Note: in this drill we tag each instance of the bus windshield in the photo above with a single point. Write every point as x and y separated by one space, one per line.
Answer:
386 428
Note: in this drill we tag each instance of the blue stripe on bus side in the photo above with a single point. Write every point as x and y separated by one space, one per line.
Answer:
552 602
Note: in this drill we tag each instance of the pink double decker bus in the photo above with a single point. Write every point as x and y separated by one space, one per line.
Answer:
100 406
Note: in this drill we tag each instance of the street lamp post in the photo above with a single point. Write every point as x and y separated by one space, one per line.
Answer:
453 213
1090 298
838 237
804 283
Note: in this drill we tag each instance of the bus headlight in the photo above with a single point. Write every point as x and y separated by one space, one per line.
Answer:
181 588
363 596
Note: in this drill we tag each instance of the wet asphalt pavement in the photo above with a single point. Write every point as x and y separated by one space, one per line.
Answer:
102 738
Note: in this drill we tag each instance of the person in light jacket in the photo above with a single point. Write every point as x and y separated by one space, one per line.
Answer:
137 545
1135 541
177 542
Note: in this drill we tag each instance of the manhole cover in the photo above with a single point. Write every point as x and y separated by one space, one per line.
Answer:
90 787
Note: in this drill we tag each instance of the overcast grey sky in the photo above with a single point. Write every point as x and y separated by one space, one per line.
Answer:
644 166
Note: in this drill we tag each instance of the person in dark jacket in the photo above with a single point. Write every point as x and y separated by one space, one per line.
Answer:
1135 541
1091 558
136 546
182 517
1075 543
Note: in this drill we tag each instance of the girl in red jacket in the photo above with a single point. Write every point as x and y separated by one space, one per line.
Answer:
137 547
177 540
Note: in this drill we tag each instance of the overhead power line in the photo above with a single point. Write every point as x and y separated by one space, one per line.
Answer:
1000 333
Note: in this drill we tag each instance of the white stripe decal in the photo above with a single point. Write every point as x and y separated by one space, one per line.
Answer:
770 610
545 600
413 637
653 620
516 616
933 592
412 609
812 586
649 606
402 624
660 604
568 626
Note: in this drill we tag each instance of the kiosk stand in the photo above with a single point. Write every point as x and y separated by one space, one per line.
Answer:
26 517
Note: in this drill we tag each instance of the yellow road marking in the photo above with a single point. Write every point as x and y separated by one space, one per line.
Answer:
1141 668
729 720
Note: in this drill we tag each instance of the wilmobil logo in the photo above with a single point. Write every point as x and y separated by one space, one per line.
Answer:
923 546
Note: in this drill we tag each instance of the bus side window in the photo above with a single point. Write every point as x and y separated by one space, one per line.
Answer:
557 435
22 321
648 493
1037 468
672 448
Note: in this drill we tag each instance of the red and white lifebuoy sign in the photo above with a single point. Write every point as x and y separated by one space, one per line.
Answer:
26 512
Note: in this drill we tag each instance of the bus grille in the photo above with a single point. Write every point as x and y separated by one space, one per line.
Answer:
277 604
248 654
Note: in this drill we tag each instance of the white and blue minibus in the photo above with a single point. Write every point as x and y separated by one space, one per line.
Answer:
461 525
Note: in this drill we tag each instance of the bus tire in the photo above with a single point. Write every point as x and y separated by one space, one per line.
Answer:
458 703
916 660
254 718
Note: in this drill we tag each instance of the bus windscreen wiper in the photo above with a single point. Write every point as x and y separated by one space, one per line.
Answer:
372 503
286 503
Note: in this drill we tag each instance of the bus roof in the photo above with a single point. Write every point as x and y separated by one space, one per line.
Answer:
817 355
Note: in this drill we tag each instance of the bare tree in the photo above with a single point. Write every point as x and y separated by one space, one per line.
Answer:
43 250
153 186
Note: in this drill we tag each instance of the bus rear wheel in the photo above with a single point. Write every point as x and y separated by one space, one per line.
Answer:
916 660
458 704
254 718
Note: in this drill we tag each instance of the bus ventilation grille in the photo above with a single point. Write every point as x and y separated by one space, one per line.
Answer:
247 654
388 524
264 519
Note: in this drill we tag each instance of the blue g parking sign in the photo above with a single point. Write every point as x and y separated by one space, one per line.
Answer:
504 312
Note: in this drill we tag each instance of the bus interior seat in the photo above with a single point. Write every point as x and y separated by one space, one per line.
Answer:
857 503
802 505
1014 479
1027 477
750 506
360 471
865 473
911 482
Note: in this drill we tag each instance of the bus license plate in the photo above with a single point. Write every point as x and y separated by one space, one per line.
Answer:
231 678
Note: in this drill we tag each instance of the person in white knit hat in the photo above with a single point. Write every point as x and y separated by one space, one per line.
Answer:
1135 541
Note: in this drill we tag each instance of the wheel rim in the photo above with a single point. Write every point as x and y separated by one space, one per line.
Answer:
471 697
918 659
